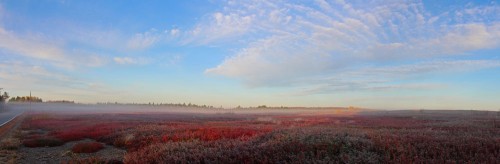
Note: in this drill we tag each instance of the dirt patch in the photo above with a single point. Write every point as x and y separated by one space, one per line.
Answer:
9 140
63 153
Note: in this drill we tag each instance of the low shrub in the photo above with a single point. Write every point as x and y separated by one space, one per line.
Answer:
87 147
43 142
93 160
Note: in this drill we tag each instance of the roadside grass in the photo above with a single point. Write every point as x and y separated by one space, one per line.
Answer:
8 148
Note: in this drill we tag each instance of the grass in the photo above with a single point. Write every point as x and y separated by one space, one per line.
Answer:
8 148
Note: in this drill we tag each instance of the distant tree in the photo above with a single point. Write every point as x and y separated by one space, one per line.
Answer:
25 99
4 96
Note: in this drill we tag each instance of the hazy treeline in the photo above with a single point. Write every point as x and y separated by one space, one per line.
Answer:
161 104
25 99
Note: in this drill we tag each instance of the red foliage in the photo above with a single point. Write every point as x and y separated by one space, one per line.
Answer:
95 132
284 139
212 134
72 129
70 135
87 147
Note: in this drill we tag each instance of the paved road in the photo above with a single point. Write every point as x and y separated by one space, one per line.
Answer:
8 112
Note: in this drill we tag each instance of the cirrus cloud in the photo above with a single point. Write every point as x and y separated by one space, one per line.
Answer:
289 42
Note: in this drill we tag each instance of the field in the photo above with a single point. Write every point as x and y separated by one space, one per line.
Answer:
366 137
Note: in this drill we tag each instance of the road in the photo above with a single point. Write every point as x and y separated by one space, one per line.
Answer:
8 112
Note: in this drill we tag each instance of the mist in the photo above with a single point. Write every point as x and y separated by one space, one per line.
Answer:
129 108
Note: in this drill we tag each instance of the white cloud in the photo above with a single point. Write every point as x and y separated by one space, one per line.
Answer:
152 37
124 60
257 64
175 32
303 42
468 37
129 60
461 39
220 26
144 40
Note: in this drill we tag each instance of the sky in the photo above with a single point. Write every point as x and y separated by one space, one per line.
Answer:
385 54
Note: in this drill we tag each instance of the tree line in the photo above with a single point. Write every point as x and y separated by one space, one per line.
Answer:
163 104
25 99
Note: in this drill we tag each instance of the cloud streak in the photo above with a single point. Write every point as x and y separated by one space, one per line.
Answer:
130 60
30 47
21 76
389 77
45 49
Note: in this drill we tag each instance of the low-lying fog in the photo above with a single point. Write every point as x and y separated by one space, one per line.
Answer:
121 108
68 108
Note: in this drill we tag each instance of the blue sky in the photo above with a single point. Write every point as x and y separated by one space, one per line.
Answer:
373 54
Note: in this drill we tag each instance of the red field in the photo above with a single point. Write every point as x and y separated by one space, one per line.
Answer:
286 138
